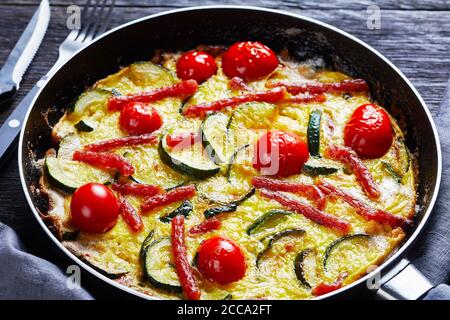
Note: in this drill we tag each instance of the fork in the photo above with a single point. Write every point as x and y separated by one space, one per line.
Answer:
95 18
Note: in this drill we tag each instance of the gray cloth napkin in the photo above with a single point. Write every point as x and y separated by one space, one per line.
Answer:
431 255
24 276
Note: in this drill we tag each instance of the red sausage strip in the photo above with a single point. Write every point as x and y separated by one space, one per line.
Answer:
181 140
111 144
182 89
136 189
310 192
319 98
184 271
237 83
206 226
351 159
363 209
322 87
309 212
129 214
178 194
270 96
104 160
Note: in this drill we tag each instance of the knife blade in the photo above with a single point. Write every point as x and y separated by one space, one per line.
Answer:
23 53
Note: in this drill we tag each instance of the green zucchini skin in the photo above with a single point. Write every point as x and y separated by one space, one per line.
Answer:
234 202
207 141
145 244
261 220
67 146
184 209
82 126
299 267
233 159
275 237
183 168
97 95
315 171
336 242
109 275
57 177
391 171
147 253
313 133
209 213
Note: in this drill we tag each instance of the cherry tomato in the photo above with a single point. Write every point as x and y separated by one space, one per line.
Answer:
221 260
94 208
197 65
369 131
280 153
136 118
249 60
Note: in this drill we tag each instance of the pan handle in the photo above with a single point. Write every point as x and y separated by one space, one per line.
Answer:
403 282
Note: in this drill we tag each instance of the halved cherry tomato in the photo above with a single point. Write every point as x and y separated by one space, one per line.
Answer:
94 208
136 118
280 153
249 60
369 131
197 65
221 260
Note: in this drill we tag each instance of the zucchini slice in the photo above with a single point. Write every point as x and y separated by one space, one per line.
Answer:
156 265
391 171
151 170
214 137
219 190
84 126
90 101
145 244
272 215
149 75
189 161
218 210
314 171
318 167
238 156
301 266
313 133
71 175
402 156
68 145
185 209
252 115
215 88
275 237
329 250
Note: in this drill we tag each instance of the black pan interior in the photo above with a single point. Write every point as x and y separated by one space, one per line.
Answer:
187 29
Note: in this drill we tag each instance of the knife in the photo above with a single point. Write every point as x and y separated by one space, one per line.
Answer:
24 51
12 72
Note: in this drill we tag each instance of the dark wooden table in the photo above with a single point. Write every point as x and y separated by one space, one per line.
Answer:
414 35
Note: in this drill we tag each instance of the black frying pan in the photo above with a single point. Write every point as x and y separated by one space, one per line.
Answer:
187 28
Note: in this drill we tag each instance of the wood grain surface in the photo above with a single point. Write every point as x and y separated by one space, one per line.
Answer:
414 35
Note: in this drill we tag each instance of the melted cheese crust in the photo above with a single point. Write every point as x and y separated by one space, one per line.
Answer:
117 251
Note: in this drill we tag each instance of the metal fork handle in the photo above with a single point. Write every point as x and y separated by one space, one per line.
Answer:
403 282
10 129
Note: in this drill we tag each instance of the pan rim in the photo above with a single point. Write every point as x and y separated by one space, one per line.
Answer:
391 260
